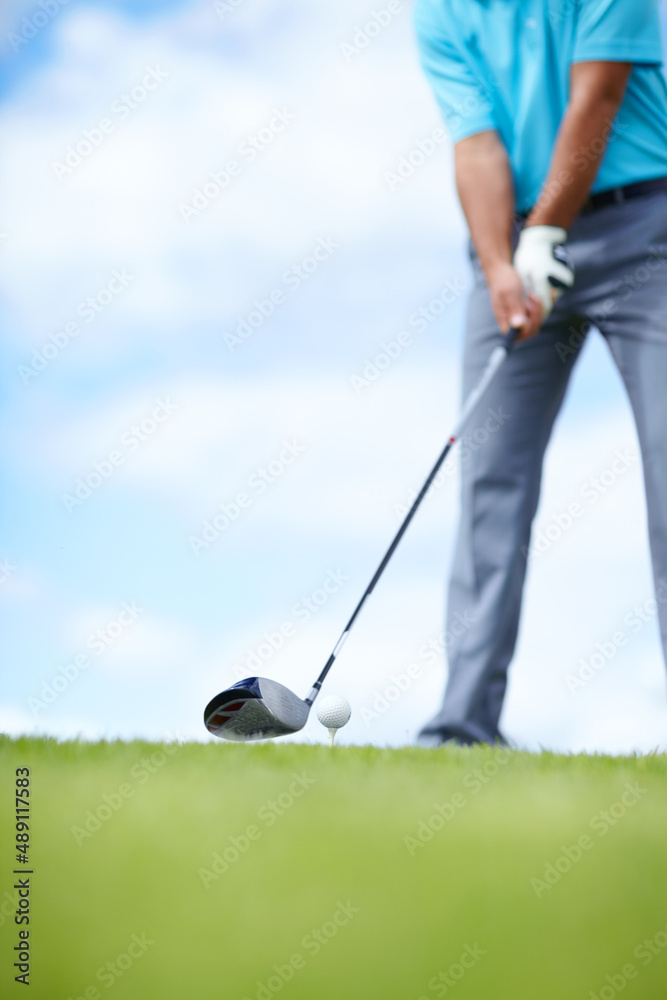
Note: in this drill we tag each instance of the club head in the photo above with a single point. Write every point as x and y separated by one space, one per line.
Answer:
255 709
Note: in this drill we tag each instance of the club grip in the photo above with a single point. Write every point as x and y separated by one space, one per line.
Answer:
511 337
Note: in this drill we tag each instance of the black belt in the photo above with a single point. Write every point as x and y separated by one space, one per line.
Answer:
616 196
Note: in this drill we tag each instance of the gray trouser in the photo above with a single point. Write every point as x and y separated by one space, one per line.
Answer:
620 258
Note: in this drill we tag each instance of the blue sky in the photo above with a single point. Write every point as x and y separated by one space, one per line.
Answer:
150 387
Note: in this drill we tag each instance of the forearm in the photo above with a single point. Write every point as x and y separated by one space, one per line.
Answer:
486 192
596 94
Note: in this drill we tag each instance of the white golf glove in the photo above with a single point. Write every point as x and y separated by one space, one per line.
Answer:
543 264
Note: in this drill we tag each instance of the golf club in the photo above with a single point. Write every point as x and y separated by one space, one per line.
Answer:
257 708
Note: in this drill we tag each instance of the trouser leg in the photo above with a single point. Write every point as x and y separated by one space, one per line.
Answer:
501 468
636 331
620 256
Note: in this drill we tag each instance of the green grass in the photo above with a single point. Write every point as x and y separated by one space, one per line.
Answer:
408 913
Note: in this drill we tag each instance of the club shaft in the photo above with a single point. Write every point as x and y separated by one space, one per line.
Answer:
498 355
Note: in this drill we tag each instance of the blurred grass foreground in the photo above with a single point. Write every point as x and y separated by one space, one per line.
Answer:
249 872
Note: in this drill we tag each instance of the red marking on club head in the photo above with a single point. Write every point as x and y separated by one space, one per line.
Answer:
217 720
222 714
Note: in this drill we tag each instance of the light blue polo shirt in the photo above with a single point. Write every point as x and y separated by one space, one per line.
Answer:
504 65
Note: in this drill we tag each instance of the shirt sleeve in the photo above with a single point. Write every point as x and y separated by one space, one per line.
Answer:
463 99
618 31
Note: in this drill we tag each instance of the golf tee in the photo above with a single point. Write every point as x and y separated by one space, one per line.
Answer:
332 733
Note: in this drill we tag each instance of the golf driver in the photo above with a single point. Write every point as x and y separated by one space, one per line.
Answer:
258 708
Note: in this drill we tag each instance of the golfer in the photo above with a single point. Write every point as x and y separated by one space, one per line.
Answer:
558 114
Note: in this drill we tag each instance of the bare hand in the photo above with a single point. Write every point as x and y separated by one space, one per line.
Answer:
511 307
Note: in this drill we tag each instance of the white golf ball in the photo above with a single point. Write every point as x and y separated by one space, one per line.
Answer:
333 711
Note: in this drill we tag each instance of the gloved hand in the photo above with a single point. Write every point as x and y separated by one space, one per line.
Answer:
543 264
